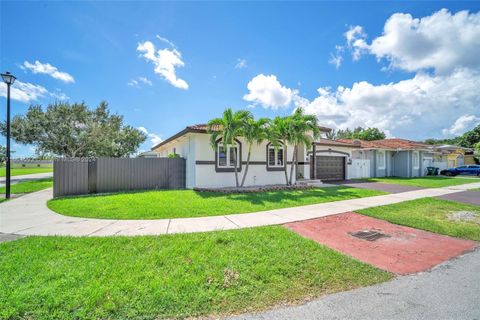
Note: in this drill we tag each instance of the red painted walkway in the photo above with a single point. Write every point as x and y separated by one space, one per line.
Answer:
405 250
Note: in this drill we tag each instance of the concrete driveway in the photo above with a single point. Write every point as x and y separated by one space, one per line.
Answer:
387 246
449 291
379 186
468 197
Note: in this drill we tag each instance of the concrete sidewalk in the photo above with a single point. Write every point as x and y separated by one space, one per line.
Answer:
29 215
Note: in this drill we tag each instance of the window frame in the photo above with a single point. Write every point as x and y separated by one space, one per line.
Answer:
228 167
276 152
384 157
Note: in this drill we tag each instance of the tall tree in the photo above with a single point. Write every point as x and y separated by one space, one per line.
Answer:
73 130
470 138
278 133
303 128
367 134
254 131
229 127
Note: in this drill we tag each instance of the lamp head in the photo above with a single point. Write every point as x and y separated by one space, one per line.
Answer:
8 78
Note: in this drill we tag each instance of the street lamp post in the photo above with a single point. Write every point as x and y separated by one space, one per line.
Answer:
9 79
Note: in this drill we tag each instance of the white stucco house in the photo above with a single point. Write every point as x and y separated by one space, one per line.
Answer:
324 159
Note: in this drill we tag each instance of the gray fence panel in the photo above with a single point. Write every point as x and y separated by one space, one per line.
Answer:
70 177
78 176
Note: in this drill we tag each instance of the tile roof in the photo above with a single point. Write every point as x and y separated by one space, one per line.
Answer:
394 143
328 142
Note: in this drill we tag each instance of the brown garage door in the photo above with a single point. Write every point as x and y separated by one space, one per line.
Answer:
330 168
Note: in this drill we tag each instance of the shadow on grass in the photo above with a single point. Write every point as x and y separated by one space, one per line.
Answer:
262 198
256 198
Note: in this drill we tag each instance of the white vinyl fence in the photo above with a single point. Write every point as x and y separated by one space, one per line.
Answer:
359 169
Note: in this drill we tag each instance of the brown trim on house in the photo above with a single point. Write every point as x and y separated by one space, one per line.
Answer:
205 162
209 162
220 169
282 168
260 163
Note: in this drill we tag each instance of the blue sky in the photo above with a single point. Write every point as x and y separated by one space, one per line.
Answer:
269 57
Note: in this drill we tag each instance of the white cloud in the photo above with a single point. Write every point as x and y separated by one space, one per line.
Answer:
165 40
29 92
462 124
336 60
417 107
47 68
356 37
165 62
268 92
241 63
442 41
139 80
154 139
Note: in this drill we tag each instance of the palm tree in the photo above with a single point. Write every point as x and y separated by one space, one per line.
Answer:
229 127
332 135
278 132
302 128
254 131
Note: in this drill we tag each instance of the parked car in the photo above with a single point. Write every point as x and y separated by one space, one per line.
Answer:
472 169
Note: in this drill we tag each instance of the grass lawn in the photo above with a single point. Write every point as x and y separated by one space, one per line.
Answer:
189 203
177 276
22 171
429 214
425 182
29 186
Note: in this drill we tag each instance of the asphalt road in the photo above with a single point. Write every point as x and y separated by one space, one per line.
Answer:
449 291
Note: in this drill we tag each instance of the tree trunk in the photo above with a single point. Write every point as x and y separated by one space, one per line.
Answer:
235 166
294 156
286 173
296 165
248 163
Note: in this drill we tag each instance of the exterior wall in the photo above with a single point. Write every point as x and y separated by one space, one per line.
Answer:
185 148
206 176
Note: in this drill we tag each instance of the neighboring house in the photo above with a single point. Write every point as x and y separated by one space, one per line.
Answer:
149 154
213 167
455 156
390 157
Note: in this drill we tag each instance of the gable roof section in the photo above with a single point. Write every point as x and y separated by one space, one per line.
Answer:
202 128
394 144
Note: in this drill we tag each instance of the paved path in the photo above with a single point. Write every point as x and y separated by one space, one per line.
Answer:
450 291
401 250
29 215
27 177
